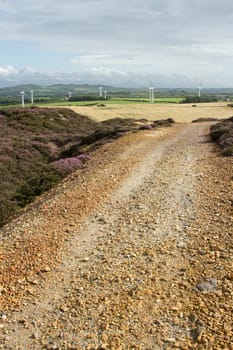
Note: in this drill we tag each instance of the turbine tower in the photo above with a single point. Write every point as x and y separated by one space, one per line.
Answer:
105 95
101 91
151 93
22 96
199 89
32 97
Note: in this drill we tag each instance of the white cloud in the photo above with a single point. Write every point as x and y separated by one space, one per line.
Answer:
95 75
7 70
107 72
90 59
28 69
106 59
212 50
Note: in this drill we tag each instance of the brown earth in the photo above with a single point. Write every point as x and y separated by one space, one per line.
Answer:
133 252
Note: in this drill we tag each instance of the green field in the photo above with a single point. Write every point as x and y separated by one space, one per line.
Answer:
117 101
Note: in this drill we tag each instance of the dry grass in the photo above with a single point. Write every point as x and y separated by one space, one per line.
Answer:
179 112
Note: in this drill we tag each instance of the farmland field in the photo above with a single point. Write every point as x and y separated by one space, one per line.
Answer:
179 112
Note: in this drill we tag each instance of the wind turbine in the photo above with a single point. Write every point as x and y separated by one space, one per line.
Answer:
151 93
22 95
32 97
101 91
199 89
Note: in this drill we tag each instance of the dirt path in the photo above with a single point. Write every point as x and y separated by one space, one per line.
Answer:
144 240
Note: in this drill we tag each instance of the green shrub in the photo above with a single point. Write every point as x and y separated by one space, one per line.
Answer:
218 131
222 134
7 209
228 151
197 99
36 186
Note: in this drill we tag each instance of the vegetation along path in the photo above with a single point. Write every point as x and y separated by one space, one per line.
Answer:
132 252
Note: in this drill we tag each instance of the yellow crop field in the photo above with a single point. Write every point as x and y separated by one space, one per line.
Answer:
179 112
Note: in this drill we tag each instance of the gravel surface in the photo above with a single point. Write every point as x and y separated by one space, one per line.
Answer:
133 252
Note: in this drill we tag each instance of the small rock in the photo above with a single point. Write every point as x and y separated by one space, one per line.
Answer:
34 335
34 282
51 347
4 317
46 269
29 290
202 252
207 285
197 333
64 308
86 259
170 340
181 245
219 293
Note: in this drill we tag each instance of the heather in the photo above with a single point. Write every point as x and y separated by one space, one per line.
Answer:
32 141
68 165
40 146
222 134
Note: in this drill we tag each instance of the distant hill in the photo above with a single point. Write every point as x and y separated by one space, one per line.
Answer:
58 92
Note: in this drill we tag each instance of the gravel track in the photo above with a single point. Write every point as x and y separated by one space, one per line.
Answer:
133 252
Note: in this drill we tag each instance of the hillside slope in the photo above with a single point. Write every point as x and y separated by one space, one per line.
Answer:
40 146
31 139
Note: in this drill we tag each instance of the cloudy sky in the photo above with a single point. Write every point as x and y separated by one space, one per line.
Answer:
172 43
